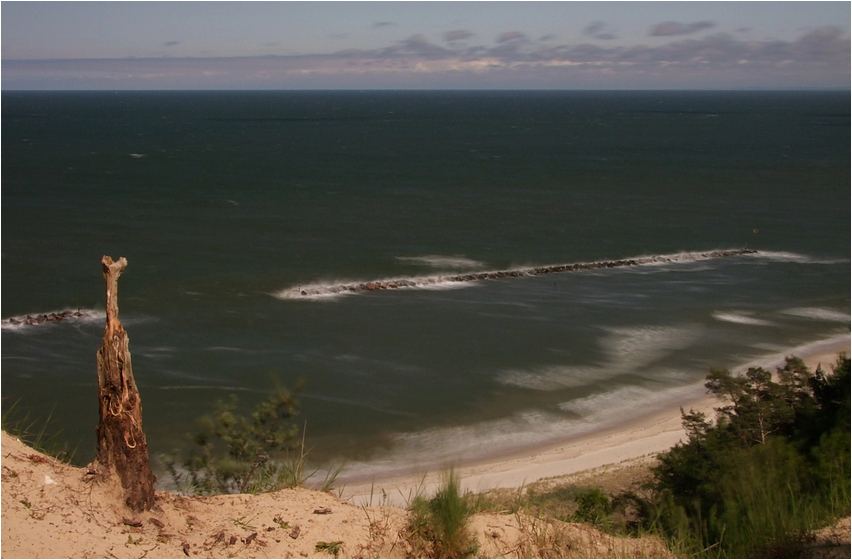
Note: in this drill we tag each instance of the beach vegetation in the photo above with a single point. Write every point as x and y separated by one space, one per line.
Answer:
438 527
773 468
40 434
245 454
333 548
593 507
234 453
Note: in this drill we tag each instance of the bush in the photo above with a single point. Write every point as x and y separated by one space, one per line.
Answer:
239 454
593 506
773 468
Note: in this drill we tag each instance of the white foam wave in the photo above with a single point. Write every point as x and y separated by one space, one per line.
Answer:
784 256
630 348
627 350
819 314
554 377
741 319
439 261
622 404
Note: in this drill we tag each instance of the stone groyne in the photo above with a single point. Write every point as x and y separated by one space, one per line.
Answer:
54 317
378 285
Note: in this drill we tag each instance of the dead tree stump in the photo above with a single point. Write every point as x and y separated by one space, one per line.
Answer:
122 448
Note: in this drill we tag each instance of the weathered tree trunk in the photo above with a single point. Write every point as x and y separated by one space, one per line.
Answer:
122 448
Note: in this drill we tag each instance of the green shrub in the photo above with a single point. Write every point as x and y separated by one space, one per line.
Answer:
240 454
593 506
774 468
439 525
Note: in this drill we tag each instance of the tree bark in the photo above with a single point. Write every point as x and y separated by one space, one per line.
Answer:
122 448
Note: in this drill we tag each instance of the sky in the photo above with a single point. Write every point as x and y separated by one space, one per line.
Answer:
424 45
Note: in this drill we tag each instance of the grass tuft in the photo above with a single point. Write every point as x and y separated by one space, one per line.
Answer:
37 434
438 526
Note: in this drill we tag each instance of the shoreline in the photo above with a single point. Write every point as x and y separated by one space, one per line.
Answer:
637 440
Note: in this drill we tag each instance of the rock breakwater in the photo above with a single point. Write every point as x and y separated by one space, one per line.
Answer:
42 318
379 285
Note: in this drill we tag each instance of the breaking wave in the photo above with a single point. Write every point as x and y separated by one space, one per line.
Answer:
818 314
438 261
627 350
741 319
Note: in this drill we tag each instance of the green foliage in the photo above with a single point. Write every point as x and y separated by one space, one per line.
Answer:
773 468
593 507
440 524
243 454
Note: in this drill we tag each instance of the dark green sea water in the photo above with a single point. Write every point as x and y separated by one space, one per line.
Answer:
225 204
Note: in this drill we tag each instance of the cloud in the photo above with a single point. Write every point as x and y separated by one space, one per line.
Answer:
416 45
384 24
821 43
593 28
171 43
511 36
670 28
819 58
599 30
457 35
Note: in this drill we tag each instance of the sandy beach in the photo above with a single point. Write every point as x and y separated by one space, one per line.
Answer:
637 441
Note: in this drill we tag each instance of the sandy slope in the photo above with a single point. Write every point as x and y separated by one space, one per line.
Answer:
53 510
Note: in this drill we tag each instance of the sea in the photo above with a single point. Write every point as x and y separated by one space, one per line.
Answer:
377 251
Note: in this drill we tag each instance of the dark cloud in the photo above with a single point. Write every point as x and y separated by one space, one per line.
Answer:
415 45
670 28
593 28
384 24
511 36
171 43
598 30
822 43
457 35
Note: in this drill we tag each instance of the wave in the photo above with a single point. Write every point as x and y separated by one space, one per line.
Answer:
627 351
52 317
331 291
784 256
819 314
741 319
439 261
